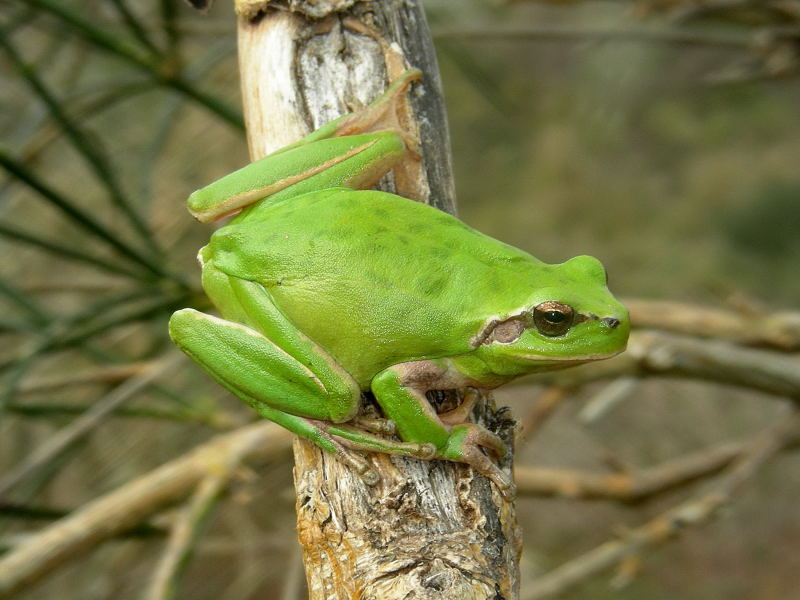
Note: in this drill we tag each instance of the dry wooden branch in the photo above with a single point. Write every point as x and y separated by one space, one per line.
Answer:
607 398
691 513
82 425
758 327
543 408
635 486
186 529
118 511
653 353
430 529
100 375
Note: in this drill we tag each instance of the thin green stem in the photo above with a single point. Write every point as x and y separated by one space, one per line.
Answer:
77 215
66 252
155 69
25 302
52 337
8 325
135 27
170 26
96 160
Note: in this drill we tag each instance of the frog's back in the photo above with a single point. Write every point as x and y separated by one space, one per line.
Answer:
367 273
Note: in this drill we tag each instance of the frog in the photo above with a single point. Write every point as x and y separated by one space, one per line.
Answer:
328 291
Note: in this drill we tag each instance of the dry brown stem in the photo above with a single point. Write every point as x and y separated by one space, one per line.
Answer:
757 327
635 486
691 513
652 353
186 530
118 511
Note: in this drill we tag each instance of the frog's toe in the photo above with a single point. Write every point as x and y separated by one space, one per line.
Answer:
469 451
376 425
481 436
427 452
465 445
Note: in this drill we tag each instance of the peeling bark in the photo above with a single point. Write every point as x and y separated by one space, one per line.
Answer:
427 529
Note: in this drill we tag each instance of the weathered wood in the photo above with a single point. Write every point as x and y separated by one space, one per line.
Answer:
428 529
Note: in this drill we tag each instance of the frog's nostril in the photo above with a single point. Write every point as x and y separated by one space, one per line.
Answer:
610 322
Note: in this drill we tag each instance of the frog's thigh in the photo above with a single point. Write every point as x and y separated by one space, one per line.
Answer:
262 372
253 306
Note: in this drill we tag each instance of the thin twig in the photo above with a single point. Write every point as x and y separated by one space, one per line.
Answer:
543 408
185 532
637 485
762 327
66 436
652 353
607 398
691 513
215 420
111 374
554 33
26 512
122 509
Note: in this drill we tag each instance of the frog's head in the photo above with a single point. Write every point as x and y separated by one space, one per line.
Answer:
571 318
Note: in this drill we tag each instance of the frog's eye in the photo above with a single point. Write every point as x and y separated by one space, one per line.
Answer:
508 331
553 318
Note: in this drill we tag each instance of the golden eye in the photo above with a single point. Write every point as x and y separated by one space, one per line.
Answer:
553 318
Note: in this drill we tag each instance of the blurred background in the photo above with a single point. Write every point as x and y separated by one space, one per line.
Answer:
661 136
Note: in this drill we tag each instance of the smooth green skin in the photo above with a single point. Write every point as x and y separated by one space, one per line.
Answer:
326 291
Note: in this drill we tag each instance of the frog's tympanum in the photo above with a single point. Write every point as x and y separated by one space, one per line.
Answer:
327 290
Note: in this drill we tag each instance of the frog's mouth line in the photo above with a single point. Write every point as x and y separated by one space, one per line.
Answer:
564 362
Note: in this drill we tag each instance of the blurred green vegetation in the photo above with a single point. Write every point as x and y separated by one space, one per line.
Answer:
675 163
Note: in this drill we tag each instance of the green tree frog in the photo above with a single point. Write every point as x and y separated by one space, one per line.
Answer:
327 290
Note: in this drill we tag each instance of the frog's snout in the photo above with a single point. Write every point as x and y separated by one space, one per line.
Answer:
610 322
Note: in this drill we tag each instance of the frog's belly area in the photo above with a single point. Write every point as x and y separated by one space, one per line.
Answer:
367 329
373 278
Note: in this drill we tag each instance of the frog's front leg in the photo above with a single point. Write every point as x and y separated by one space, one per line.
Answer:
400 391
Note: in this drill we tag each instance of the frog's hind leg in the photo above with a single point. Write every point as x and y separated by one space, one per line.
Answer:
269 358
297 391
261 357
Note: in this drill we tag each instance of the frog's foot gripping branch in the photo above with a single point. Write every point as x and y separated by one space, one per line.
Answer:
400 391
343 439
464 445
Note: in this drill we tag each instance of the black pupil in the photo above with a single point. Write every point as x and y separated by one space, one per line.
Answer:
555 317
